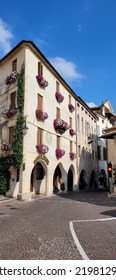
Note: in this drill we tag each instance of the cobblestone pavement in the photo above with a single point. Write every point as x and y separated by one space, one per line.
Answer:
39 229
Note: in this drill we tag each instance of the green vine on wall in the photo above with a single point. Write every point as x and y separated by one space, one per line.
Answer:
16 158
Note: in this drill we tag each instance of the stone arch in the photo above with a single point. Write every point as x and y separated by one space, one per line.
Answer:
82 180
70 178
57 178
38 178
93 181
102 178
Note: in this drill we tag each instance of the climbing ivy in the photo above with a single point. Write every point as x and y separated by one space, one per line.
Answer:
15 159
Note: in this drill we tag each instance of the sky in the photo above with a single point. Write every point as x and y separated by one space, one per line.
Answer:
77 36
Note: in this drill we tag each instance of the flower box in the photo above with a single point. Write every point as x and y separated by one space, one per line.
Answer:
6 147
41 115
60 125
72 155
72 131
59 153
9 113
11 78
59 97
42 148
71 108
42 82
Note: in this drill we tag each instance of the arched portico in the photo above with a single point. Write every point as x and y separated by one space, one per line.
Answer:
102 178
38 178
82 180
70 178
58 178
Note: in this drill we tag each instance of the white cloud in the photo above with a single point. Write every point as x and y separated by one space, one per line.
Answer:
5 37
91 104
66 68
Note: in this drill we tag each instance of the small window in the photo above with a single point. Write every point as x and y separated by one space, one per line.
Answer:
14 65
99 152
104 153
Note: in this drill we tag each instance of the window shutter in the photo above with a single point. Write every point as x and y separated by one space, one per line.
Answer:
13 100
58 142
11 131
39 136
70 146
57 86
40 102
40 68
57 113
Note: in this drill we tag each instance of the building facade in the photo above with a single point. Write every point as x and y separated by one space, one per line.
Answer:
59 147
104 113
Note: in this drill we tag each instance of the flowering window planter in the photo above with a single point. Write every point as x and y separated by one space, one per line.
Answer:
42 148
42 82
9 113
59 153
60 125
41 115
72 131
6 147
11 78
71 108
72 155
59 97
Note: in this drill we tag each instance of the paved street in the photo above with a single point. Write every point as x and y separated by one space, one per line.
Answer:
70 226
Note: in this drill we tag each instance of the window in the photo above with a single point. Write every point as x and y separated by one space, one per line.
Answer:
40 68
86 127
79 150
57 142
70 122
40 102
98 130
82 125
78 122
39 136
57 113
69 99
11 131
104 153
99 152
14 65
83 152
57 86
71 146
13 99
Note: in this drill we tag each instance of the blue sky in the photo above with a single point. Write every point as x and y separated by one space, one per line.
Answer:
77 36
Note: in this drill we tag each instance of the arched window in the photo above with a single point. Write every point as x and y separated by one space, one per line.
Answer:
82 125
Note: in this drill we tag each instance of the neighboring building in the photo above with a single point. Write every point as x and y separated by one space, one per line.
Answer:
60 146
104 114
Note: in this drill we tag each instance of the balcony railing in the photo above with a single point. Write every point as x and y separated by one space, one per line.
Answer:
72 131
41 115
9 113
60 153
60 125
11 78
42 148
42 82
71 108
59 97
72 155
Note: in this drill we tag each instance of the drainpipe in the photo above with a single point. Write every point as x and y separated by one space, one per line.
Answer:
77 166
